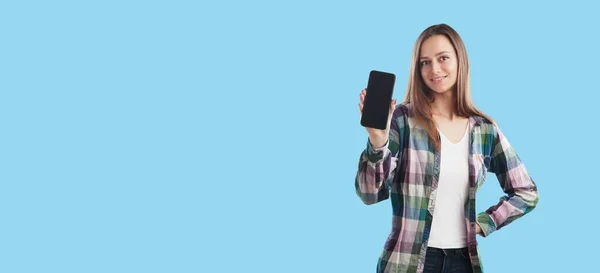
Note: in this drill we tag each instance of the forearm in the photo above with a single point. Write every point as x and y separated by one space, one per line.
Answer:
521 198
374 172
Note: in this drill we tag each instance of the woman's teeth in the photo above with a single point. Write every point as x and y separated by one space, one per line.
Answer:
438 79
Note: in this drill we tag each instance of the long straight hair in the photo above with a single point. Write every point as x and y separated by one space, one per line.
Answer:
421 97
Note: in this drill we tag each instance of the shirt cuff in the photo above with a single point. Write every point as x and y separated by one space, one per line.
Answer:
486 223
376 154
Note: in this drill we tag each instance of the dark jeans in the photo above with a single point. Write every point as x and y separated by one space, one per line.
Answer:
447 261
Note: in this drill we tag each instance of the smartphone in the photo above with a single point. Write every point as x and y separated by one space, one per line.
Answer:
376 105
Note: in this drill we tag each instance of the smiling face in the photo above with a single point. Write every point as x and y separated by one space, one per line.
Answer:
438 64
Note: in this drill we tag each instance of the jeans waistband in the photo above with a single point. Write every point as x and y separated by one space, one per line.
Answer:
449 251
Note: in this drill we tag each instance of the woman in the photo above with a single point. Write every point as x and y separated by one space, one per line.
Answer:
430 161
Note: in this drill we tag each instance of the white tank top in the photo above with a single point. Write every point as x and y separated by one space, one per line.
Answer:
448 228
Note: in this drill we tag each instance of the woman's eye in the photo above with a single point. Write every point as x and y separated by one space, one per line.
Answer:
424 62
443 58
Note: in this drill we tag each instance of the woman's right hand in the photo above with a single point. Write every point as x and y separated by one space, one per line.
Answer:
377 137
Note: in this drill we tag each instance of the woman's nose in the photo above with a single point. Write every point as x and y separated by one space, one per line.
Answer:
436 67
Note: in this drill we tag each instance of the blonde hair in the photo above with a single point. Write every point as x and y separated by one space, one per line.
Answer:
420 96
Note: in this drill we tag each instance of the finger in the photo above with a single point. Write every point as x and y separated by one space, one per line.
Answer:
392 108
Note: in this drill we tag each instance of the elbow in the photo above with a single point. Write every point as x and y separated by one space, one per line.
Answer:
368 201
535 201
531 199
372 198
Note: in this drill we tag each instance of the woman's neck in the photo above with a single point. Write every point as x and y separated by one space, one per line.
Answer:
444 106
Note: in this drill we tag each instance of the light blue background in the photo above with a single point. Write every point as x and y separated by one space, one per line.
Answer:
185 136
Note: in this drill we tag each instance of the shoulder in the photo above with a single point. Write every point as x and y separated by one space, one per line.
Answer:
488 128
485 123
402 110
401 115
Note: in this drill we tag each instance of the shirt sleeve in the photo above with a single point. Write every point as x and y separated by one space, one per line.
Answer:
376 166
521 193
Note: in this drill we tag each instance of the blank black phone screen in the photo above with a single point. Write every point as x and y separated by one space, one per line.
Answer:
376 105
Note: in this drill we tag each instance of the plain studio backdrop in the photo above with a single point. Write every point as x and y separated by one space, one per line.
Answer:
224 136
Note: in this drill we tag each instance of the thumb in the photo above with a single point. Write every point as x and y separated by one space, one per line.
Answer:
391 112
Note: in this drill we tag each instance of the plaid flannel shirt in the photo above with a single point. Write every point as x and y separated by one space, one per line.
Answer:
406 170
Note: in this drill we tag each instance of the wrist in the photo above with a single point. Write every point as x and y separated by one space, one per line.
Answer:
377 142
